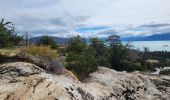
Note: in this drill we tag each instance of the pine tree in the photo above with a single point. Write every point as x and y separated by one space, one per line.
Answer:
8 37
48 41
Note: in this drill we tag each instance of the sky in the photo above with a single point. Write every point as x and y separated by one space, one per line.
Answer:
88 18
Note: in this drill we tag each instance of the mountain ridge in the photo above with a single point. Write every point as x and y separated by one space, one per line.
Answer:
58 40
156 37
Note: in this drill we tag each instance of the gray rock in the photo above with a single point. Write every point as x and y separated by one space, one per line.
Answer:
26 81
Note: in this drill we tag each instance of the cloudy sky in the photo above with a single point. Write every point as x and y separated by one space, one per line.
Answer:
88 18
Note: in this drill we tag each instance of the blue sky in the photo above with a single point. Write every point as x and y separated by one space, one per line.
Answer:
88 18
90 29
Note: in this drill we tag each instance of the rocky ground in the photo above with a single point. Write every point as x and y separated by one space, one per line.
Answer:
25 81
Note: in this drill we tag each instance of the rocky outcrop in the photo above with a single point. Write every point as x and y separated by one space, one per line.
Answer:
25 81
132 86
165 72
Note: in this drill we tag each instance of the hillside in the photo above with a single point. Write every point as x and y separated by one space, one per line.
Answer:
58 40
156 37
25 81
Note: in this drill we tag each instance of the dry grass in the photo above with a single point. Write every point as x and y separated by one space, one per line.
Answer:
9 52
43 51
44 57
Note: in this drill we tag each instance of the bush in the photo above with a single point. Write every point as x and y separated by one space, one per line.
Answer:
82 64
81 58
44 57
132 66
165 72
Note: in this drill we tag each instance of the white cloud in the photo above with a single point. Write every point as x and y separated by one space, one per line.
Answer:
61 17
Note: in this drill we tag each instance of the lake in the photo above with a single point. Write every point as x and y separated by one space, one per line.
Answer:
152 45
159 69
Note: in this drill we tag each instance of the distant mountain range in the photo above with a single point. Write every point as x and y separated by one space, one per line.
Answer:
58 40
156 37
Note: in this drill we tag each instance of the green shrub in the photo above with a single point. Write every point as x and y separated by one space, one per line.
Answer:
132 66
82 64
81 58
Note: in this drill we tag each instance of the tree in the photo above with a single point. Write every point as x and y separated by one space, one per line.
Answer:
114 41
8 37
115 52
76 44
118 52
48 41
80 58
101 51
27 38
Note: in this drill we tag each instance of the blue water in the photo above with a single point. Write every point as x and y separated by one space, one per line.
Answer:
152 45
160 69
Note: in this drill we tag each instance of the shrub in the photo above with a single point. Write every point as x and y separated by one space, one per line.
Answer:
81 58
165 72
132 66
82 64
44 57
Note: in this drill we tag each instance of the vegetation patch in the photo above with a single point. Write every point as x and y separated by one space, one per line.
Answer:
44 57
